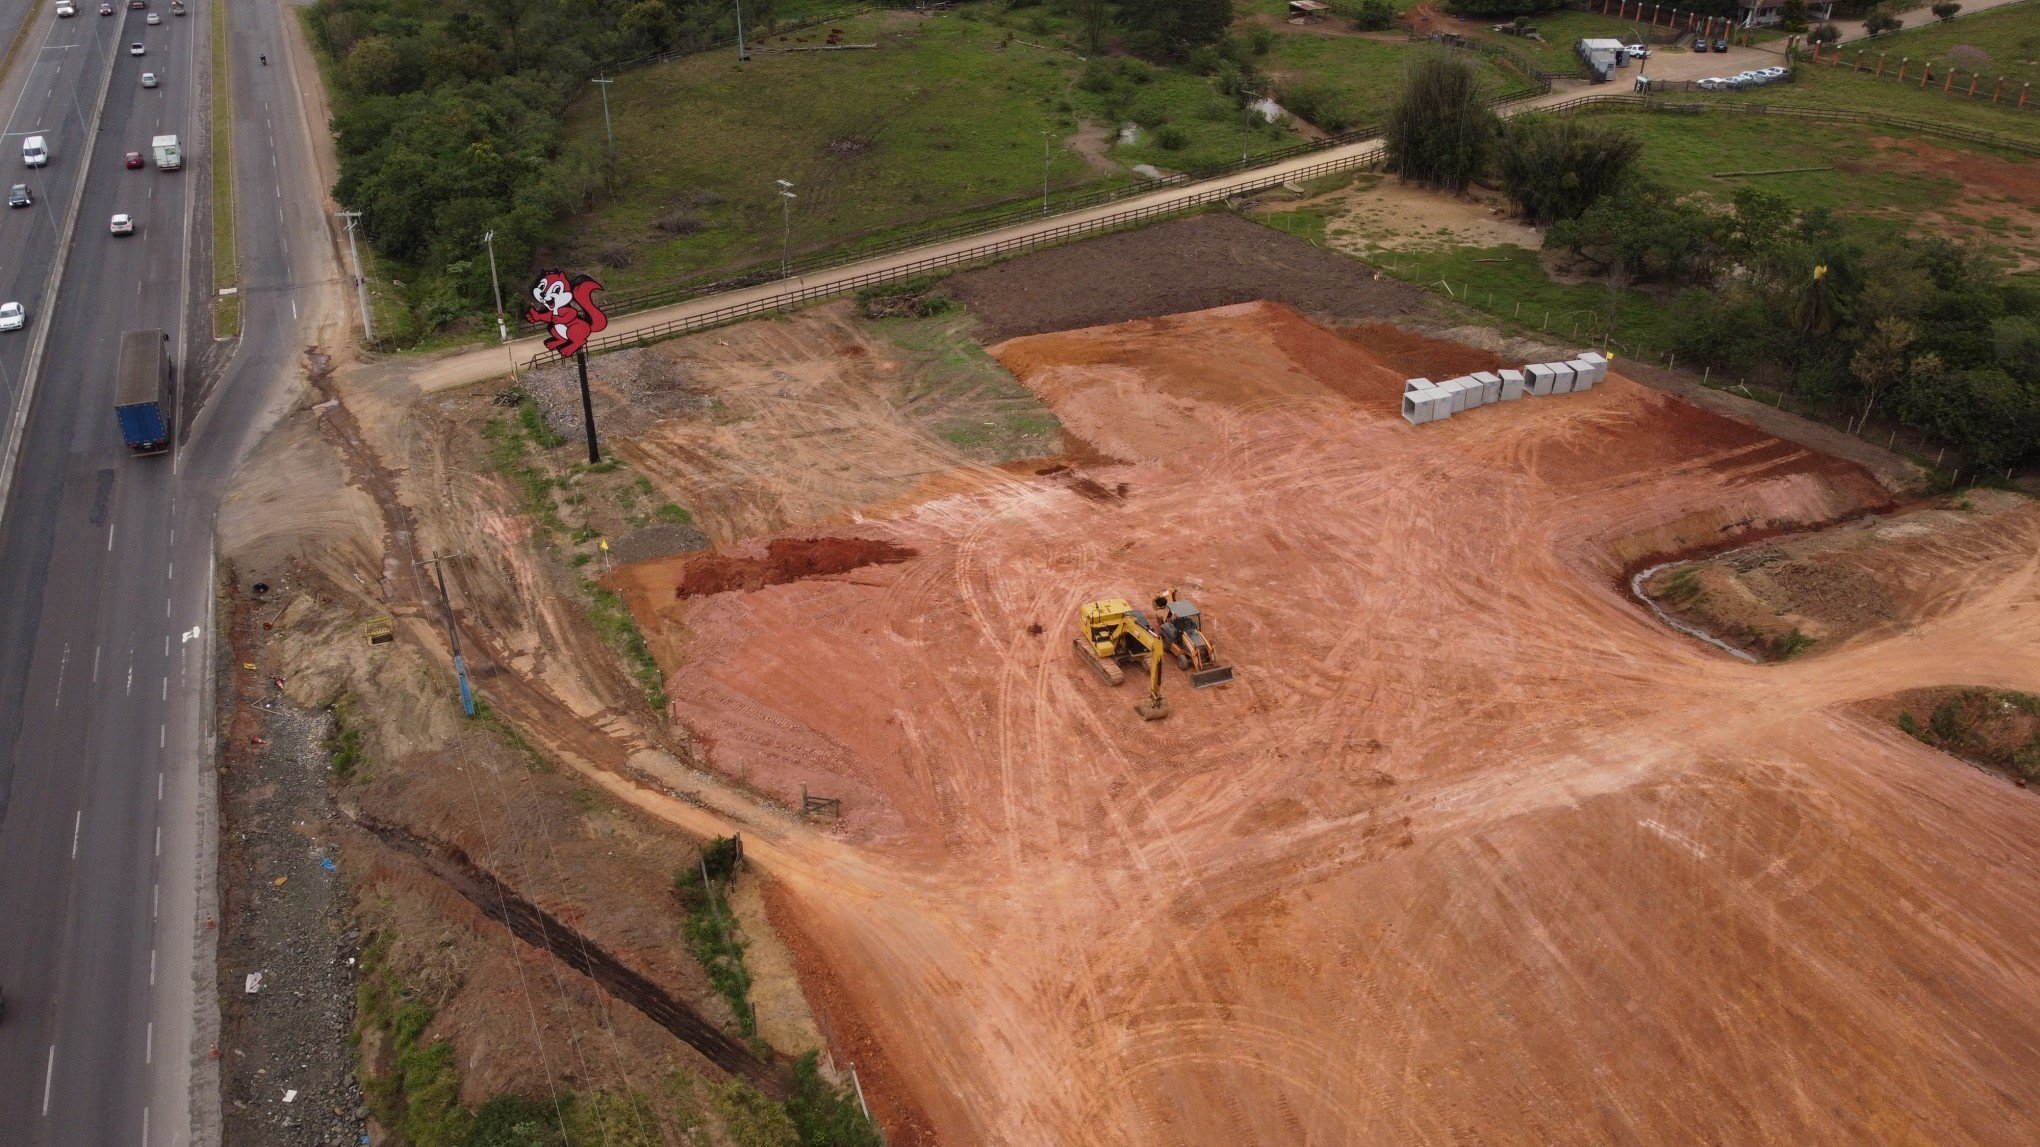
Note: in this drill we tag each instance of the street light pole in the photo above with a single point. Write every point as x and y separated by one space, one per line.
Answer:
606 125
360 284
741 54
502 329
786 198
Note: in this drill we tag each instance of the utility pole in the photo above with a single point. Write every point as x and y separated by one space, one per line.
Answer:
502 328
606 125
467 694
786 198
741 54
360 284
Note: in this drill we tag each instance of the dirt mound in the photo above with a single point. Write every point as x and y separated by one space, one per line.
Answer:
785 560
1419 356
1997 729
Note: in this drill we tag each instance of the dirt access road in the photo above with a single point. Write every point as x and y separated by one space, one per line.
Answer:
1474 849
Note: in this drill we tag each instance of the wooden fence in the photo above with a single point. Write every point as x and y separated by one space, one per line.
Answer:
1921 73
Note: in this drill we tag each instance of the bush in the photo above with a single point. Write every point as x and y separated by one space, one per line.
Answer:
1945 11
1260 40
1439 132
1372 15
1554 169
1825 34
1881 21
1172 138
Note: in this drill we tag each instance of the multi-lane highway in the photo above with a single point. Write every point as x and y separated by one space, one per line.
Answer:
106 562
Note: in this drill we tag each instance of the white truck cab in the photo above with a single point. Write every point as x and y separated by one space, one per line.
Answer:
35 151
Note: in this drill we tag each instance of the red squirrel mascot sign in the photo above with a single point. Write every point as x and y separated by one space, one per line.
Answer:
566 308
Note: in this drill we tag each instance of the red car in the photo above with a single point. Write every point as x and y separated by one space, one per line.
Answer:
134 159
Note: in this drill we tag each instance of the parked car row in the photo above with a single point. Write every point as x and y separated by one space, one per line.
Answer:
1701 43
1741 80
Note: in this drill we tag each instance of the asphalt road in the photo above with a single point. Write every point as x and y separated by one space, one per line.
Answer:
105 634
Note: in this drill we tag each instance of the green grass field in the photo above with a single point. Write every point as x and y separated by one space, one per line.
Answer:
1823 87
944 115
2005 42
1357 78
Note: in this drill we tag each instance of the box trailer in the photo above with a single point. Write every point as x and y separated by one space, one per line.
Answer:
143 398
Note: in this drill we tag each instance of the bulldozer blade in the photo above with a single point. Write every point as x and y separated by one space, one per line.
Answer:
1152 708
1206 678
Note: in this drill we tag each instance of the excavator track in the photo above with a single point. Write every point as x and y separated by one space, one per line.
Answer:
1107 672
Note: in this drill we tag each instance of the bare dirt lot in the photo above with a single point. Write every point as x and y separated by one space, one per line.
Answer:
1474 848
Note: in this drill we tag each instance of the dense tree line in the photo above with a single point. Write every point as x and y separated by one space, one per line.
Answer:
447 121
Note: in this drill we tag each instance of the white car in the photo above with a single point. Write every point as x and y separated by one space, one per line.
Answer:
13 316
148 79
65 10
154 19
123 224
137 50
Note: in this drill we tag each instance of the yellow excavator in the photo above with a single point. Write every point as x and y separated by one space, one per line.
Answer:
1116 632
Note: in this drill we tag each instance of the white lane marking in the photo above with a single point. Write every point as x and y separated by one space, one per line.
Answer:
155 900
162 731
166 645
159 840
109 537
293 310
149 1039
166 688
166 607
145 1127
159 784
172 576
95 665
77 827
152 967
49 1076
61 663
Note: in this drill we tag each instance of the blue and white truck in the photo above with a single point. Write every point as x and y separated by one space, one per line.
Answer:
143 397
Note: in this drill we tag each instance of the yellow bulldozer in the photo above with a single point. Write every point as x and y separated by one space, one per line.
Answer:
1115 632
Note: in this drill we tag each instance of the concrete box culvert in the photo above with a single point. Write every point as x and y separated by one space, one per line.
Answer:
1412 385
1542 378
1599 363
1427 405
1490 386
1562 378
1512 385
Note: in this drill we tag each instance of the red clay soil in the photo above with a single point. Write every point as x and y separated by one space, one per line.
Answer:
785 560
1420 356
1473 850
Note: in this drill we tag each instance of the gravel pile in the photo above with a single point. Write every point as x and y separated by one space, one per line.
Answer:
632 389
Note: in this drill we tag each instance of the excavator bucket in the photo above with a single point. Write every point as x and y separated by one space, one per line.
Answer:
1152 708
1206 678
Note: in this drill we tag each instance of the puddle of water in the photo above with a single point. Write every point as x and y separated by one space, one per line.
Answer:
1636 588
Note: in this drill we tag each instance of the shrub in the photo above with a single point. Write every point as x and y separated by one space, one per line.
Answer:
1945 11
1828 33
1372 15
1439 132
1554 169
1260 40
1172 138
1881 21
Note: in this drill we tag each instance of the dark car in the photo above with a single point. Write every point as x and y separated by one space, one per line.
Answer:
18 196
134 159
1699 43
106 9
1721 43
138 5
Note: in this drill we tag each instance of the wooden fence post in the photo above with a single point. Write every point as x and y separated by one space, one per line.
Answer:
2023 89
1880 63
1948 80
1902 62
1973 78
2000 90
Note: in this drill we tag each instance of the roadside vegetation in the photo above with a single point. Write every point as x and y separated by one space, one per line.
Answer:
2004 42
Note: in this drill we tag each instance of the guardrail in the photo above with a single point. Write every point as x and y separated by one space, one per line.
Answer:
1049 237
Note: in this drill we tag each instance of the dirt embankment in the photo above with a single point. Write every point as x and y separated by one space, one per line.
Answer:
1810 593
1996 729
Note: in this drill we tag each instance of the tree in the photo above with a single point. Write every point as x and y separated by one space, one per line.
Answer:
1439 132
1792 18
1881 21
1373 15
1945 11
1554 169
373 67
1094 19
1642 233
1825 34
1181 24
650 27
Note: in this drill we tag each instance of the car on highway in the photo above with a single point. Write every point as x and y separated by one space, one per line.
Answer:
148 79
18 196
138 5
153 19
134 160
136 49
106 9
123 224
13 316
65 10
